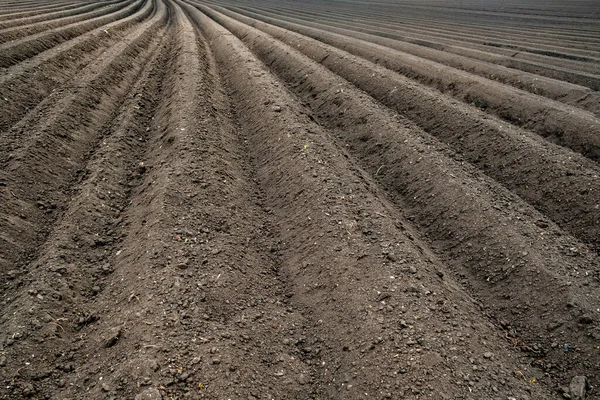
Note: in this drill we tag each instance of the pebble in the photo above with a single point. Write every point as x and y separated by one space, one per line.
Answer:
553 325
28 390
412 269
488 354
149 394
183 263
303 379
106 269
277 108
578 387
145 381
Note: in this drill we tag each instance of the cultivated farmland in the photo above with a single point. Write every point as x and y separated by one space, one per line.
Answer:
277 199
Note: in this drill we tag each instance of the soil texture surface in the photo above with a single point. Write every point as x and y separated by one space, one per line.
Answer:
276 199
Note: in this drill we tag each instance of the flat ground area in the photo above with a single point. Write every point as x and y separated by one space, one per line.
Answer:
304 200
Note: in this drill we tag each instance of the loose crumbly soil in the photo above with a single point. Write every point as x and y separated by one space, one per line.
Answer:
282 200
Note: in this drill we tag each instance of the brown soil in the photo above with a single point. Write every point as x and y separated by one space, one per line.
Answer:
46 15
225 200
20 50
59 20
14 11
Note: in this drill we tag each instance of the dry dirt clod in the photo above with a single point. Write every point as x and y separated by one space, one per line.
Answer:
114 338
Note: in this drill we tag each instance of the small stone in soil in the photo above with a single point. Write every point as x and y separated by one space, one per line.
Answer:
149 394
578 387
28 390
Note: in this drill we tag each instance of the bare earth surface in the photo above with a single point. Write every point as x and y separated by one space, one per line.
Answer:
276 199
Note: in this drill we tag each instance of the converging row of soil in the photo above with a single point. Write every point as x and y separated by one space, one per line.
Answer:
206 200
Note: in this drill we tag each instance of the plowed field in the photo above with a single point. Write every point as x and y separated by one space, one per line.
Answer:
277 199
